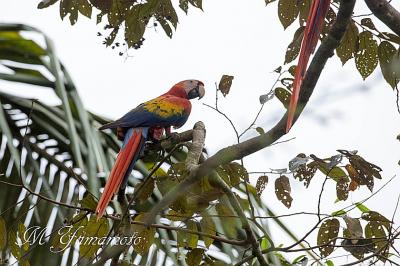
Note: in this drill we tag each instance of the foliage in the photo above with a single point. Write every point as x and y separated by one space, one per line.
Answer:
129 19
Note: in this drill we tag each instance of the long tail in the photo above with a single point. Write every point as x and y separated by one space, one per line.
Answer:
318 11
128 155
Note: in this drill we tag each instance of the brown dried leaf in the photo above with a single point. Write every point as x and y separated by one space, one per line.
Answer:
282 190
261 183
225 84
342 189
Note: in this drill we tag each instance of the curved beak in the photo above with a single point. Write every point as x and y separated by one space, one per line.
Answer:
197 92
201 91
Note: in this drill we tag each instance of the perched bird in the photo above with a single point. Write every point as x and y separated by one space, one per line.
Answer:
149 119
318 11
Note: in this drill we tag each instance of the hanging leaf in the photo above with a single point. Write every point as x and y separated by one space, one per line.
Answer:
94 230
184 5
375 230
85 8
144 189
225 84
144 234
282 190
207 226
362 207
353 226
197 3
304 9
348 44
366 57
374 216
327 235
367 22
3 234
192 239
287 12
194 257
389 61
227 215
283 95
21 234
342 189
293 49
103 5
261 183
88 202
46 3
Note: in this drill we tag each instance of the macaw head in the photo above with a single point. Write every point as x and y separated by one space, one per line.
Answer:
188 89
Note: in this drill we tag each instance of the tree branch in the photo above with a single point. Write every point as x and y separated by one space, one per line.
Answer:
386 13
240 150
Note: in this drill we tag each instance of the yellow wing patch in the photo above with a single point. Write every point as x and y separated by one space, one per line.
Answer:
163 108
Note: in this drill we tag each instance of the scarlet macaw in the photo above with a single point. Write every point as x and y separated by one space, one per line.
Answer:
318 11
170 109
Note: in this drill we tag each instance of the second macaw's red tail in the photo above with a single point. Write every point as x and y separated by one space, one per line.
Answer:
318 11
133 144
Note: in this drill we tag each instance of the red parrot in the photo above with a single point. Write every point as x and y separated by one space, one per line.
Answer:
135 127
318 11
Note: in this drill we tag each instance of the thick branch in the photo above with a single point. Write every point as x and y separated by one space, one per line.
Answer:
383 10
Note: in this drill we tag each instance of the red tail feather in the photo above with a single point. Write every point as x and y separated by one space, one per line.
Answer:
315 19
118 171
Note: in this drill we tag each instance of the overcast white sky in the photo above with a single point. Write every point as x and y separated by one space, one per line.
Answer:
247 41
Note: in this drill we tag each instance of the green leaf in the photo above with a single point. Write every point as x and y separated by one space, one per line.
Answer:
192 239
260 130
329 263
287 12
16 251
282 190
229 223
327 235
339 213
3 234
94 233
194 257
89 202
389 61
293 49
134 27
362 207
298 259
207 225
144 234
283 95
144 189
264 243
21 235
225 84
366 57
348 44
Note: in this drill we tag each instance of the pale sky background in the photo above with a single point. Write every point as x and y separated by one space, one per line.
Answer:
248 42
